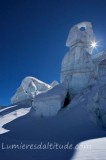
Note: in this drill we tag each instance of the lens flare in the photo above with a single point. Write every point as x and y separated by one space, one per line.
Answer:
94 44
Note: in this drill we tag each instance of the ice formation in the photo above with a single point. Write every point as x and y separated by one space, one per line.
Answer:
77 67
51 102
29 88
83 80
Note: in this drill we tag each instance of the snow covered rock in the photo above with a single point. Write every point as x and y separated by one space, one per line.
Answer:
49 103
77 68
29 88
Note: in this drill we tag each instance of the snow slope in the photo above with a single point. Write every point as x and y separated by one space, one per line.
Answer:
97 151
70 126
6 108
10 117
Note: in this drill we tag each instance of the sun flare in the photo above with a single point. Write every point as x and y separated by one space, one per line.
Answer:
93 44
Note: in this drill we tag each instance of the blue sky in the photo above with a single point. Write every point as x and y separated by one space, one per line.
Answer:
33 35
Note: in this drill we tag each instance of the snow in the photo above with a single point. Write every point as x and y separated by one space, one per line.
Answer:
6 108
70 126
41 86
54 83
77 67
76 35
23 123
49 103
29 88
91 150
11 116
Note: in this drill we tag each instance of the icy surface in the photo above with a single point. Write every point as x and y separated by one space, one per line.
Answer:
77 67
49 103
77 35
54 83
97 104
29 88
83 78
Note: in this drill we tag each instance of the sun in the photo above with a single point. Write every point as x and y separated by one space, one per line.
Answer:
94 44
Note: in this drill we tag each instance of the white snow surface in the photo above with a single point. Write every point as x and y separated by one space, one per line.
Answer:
40 86
91 150
11 116
70 126
6 108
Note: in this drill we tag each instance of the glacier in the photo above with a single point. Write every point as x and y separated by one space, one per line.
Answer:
72 111
71 126
82 73
51 102
29 88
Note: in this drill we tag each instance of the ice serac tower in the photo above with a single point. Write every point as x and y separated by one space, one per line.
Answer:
77 68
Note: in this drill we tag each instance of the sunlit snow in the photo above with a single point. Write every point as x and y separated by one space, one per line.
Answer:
10 117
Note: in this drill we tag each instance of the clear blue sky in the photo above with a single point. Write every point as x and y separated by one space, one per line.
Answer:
33 35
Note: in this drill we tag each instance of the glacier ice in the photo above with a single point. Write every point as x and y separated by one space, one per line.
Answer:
77 67
29 88
83 79
50 103
84 37
54 83
85 82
